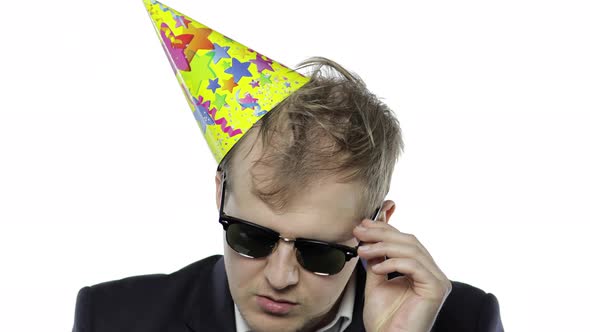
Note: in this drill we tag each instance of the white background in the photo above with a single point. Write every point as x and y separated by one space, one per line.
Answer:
104 173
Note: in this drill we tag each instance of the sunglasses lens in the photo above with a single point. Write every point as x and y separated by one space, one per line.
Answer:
319 258
249 240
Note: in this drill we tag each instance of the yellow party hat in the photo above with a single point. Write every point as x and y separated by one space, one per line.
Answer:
227 85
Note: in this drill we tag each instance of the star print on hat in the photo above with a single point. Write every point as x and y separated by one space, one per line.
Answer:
228 86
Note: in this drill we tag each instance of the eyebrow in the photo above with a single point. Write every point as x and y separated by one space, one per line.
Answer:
298 237
221 210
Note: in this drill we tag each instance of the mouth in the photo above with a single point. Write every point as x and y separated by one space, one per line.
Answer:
274 306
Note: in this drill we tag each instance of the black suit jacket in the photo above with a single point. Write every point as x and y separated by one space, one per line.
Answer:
197 298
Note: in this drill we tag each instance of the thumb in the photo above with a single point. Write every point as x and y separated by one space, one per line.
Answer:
373 279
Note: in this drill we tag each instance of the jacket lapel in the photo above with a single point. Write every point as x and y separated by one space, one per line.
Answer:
210 306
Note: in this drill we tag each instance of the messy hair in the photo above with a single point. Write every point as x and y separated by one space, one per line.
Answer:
332 126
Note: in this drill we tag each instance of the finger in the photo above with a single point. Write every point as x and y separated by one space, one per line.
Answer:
423 282
374 279
400 250
388 229
386 233
378 232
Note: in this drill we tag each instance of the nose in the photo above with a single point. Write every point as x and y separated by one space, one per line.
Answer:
282 268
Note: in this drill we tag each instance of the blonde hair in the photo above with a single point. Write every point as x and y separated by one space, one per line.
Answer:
331 126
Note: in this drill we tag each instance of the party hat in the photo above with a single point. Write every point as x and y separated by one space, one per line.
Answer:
228 86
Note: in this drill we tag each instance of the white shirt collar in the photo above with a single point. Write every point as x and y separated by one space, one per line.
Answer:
338 324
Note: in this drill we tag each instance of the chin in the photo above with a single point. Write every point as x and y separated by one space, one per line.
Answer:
264 325
276 326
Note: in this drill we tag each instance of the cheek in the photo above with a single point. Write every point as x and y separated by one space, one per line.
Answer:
241 271
324 290
327 290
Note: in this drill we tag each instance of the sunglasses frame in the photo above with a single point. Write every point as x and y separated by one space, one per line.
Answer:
226 220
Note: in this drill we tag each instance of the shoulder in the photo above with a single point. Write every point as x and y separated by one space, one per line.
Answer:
111 305
137 288
468 308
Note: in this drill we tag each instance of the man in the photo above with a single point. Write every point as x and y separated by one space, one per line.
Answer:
308 240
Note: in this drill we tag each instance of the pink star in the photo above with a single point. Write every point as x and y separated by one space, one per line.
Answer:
248 99
181 21
262 64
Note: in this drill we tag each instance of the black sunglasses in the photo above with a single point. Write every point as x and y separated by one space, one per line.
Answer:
254 241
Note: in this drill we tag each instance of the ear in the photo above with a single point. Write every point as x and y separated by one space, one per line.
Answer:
218 189
386 211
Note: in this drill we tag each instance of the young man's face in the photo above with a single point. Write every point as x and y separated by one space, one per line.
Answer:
325 212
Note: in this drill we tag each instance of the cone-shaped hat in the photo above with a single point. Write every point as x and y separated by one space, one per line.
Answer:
227 85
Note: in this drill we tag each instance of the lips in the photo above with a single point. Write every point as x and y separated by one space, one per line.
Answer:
278 300
274 306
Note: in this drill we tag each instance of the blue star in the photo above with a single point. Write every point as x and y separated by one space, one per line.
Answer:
163 7
180 21
220 52
203 118
214 84
239 69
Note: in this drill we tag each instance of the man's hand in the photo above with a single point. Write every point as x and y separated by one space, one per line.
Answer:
408 303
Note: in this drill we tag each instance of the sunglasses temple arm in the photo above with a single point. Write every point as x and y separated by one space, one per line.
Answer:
222 193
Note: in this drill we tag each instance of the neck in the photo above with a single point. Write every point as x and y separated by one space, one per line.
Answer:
320 322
